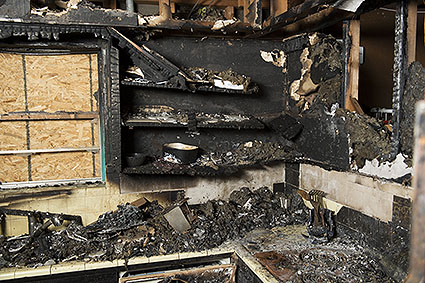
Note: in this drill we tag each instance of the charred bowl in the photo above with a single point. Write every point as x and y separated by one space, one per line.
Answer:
135 159
185 152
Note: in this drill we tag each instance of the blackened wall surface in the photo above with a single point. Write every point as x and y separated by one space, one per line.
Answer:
391 240
274 79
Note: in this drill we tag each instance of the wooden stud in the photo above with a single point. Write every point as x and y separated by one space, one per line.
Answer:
352 87
412 19
252 11
278 7
110 4
218 3
165 9
229 12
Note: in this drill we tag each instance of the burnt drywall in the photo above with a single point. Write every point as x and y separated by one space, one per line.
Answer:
413 92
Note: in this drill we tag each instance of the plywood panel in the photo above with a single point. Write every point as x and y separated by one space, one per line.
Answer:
96 132
62 166
12 93
98 165
60 134
13 136
13 168
95 81
58 83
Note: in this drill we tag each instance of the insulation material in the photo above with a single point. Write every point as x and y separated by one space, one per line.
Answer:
58 83
60 134
58 166
95 81
13 168
13 136
12 92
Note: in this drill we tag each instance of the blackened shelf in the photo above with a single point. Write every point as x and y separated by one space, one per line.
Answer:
250 91
167 168
204 124
246 125
149 123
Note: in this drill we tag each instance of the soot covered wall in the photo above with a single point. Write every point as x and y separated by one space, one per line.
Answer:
289 119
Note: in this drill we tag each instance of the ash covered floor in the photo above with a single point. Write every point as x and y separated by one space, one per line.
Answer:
256 219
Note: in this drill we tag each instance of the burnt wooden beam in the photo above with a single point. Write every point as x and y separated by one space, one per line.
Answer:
202 27
400 71
351 56
217 3
164 8
412 19
154 66
317 21
253 13
113 120
296 13
278 7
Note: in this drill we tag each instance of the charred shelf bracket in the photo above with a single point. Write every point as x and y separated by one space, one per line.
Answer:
400 70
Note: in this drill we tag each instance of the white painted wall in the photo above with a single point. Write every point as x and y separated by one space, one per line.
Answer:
221 188
368 195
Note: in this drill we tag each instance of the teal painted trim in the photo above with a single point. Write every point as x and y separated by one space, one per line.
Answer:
102 151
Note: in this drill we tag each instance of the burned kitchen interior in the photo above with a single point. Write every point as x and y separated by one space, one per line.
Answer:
212 141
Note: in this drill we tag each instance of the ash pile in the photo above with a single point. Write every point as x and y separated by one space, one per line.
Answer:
144 231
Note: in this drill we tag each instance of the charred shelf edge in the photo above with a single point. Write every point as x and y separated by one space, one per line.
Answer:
187 170
200 125
252 89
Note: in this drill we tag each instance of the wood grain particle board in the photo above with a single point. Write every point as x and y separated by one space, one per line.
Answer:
58 83
62 166
13 168
13 136
12 91
60 134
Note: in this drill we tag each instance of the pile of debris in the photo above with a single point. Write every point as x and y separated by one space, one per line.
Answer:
144 231
369 139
